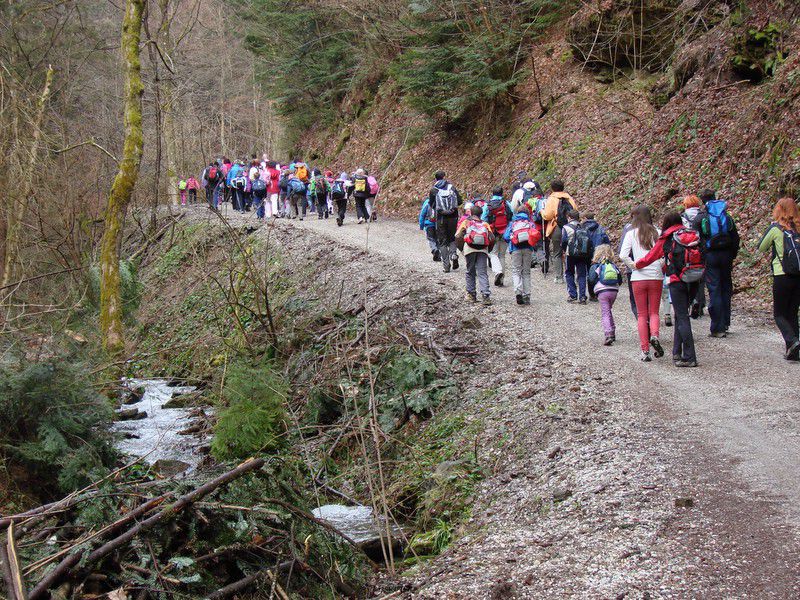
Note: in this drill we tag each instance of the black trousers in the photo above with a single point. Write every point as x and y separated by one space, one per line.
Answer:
322 206
446 226
785 305
341 206
682 295
361 208
719 281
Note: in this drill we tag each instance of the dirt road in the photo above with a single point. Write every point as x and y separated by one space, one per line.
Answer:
724 434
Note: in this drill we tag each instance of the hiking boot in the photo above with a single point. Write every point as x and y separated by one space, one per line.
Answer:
472 297
582 301
374 217
717 334
609 340
658 350
676 358
498 280
667 320
593 299
437 257
446 267
613 337
526 299
339 222
686 363
455 263
571 300
694 313
645 357
360 221
520 299
793 352
487 300
320 217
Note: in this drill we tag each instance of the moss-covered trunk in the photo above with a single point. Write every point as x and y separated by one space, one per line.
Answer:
124 182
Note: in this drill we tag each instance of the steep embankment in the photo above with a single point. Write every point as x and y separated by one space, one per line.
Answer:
604 477
616 138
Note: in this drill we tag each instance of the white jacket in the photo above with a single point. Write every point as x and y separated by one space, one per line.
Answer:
631 245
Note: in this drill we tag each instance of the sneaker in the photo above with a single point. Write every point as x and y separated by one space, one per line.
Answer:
717 334
487 300
793 352
686 363
498 280
472 297
455 264
360 221
446 267
520 299
668 320
645 356
571 300
593 299
676 358
526 299
658 350
613 337
609 340
582 301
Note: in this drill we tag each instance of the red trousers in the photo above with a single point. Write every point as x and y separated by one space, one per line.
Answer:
648 300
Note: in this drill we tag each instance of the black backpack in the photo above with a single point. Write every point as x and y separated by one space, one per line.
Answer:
580 244
564 206
791 252
337 190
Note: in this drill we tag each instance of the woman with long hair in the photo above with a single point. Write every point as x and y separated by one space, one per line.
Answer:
647 282
783 239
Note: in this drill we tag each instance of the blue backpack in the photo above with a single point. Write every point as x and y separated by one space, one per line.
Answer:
716 227
609 274
296 186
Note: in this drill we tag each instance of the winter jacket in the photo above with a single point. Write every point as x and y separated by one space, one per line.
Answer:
520 216
593 277
460 234
192 184
424 218
236 171
701 225
658 253
491 207
689 217
773 240
597 233
365 194
440 185
550 210
632 248
271 178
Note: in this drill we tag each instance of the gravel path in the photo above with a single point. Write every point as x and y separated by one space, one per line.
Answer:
593 449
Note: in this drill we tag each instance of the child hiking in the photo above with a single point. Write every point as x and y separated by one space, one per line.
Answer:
475 239
605 278
522 235
577 248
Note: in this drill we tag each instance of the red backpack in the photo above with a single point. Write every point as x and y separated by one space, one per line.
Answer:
686 260
212 174
524 233
478 235
500 221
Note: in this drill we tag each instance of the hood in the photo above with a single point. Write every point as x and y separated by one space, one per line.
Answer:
521 216
691 213
496 202
441 184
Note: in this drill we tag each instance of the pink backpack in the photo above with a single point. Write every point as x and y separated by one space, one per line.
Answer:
374 187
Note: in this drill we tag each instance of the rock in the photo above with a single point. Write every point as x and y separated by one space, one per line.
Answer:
181 400
169 468
134 395
76 337
562 494
130 414
553 452
684 502
448 468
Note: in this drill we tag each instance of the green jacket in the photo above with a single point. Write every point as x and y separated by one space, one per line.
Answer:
773 240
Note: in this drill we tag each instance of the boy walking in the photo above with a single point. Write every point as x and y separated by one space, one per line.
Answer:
522 235
577 248
475 239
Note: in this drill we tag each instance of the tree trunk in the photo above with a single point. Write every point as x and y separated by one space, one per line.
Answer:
18 196
124 182
170 103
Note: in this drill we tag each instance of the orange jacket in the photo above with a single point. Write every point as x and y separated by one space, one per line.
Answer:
550 210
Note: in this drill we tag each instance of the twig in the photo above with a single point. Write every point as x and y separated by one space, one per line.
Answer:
246 582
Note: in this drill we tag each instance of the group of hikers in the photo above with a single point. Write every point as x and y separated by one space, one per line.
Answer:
668 269
291 191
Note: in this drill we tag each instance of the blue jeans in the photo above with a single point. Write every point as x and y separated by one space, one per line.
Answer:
258 202
719 281
576 266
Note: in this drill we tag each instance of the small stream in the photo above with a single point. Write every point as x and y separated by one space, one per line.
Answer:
156 437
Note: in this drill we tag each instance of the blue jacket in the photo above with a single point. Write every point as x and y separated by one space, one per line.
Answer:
596 232
424 222
520 216
493 204
235 171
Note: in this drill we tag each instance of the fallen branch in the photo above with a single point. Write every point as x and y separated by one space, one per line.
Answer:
8 575
246 582
64 568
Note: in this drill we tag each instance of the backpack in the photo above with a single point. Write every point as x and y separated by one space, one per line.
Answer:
524 234
609 274
580 245
182 185
564 207
716 226
259 185
446 200
301 172
790 261
478 235
685 258
320 186
240 183
296 186
374 187
498 217
283 184
212 174
337 191
537 209
360 185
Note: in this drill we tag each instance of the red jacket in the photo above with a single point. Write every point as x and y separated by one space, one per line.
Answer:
272 181
657 252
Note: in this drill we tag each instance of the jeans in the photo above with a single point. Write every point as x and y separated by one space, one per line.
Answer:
556 254
606 298
719 280
521 271
211 195
785 304
258 202
341 207
477 268
498 255
632 297
648 300
247 200
576 266
682 295
296 201
446 238
322 206
430 235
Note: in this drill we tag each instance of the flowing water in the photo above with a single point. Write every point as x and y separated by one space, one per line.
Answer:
156 437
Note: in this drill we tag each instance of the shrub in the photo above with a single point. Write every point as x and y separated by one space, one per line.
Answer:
54 426
255 418
130 287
